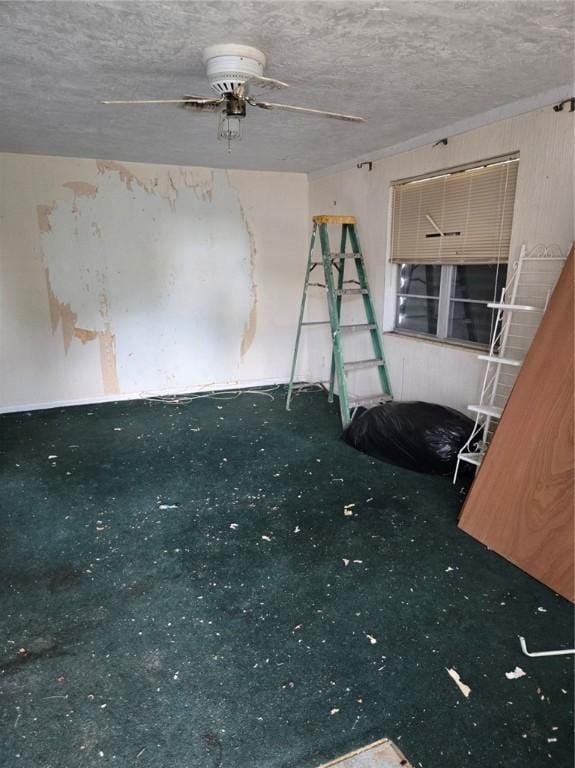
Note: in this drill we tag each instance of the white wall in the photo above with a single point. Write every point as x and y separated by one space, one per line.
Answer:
121 279
422 369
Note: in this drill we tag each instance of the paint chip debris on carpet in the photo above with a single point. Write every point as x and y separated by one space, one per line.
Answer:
147 622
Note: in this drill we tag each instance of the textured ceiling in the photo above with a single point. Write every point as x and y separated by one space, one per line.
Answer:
408 66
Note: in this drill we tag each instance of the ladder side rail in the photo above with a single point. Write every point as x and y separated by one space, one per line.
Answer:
301 315
338 304
374 333
334 322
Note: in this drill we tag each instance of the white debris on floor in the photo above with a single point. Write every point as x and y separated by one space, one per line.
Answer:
454 675
515 674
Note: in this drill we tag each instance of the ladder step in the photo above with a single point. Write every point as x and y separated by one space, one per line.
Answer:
512 307
369 400
327 218
358 327
487 410
350 327
341 291
500 360
357 364
472 458
333 256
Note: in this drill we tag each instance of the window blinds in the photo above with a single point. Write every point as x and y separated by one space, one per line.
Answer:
463 217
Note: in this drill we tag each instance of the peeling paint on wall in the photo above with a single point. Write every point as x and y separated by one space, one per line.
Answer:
127 177
43 212
167 184
172 301
249 328
251 323
133 278
60 313
82 188
85 334
108 361
202 184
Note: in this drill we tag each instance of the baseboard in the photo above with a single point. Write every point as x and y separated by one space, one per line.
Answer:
115 398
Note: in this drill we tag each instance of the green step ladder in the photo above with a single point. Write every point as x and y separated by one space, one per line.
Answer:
335 294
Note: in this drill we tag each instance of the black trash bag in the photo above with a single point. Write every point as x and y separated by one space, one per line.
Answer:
421 436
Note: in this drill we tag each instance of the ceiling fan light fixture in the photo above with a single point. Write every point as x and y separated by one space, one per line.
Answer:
229 128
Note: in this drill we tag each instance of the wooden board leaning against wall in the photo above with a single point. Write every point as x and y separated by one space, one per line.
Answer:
521 503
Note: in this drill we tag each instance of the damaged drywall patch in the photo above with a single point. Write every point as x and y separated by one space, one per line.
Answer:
250 325
85 334
82 188
108 361
249 328
127 177
65 263
60 313
151 258
201 182
166 183
44 212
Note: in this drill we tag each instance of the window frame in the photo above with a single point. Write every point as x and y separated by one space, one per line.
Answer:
444 299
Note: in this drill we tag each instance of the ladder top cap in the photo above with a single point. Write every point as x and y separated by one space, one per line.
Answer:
327 219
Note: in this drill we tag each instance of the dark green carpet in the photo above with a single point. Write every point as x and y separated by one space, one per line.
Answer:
141 627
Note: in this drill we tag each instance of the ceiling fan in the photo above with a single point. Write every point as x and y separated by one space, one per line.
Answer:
232 70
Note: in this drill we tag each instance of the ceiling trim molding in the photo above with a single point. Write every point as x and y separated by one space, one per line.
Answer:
506 111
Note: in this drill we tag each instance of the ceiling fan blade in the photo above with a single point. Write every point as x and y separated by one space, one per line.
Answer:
202 104
305 110
267 82
198 100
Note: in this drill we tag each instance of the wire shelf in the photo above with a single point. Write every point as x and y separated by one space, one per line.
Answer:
530 284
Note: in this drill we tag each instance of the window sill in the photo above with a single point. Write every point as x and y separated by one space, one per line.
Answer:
450 344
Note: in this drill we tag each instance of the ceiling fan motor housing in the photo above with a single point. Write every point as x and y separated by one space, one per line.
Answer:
229 65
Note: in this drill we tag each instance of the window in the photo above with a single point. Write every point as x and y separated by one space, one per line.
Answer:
449 302
450 242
